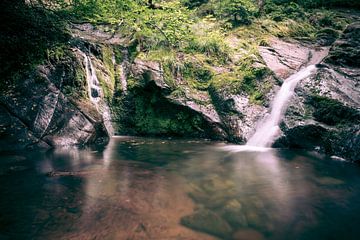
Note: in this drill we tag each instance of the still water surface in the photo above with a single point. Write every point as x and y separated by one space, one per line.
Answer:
137 188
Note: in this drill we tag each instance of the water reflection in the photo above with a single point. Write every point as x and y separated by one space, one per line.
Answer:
139 188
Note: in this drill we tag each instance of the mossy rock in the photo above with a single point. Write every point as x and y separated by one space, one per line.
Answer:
346 51
248 80
209 222
327 36
148 112
197 75
332 112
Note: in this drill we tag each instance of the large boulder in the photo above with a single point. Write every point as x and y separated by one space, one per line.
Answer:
37 109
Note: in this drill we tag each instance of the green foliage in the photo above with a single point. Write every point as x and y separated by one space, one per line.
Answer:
166 26
328 3
285 11
237 11
27 36
319 3
194 3
211 43
169 26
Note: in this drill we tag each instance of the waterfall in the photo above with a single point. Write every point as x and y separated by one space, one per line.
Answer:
96 94
123 67
268 128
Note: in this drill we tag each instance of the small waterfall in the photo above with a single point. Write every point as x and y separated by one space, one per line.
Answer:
123 67
268 128
96 94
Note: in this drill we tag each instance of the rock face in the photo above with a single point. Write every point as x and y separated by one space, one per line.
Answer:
50 106
286 58
345 51
324 115
37 110
159 103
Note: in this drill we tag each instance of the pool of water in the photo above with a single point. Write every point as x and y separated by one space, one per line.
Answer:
140 188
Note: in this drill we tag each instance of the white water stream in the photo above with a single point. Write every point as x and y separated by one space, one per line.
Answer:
268 128
95 94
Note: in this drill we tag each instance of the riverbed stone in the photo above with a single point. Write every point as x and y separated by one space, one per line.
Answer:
330 181
209 222
233 213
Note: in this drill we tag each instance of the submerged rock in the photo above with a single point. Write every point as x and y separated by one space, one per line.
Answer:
233 213
329 181
207 221
248 234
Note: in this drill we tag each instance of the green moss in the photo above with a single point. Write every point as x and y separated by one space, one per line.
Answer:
332 112
107 58
119 113
118 54
197 75
133 50
169 72
79 89
248 80
229 82
105 72
74 81
133 83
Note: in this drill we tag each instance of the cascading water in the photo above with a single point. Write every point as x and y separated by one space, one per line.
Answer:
95 94
268 128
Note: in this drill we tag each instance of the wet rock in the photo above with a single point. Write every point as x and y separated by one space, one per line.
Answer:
211 200
286 58
148 71
208 222
345 51
98 34
233 213
237 114
329 181
309 136
36 113
327 36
